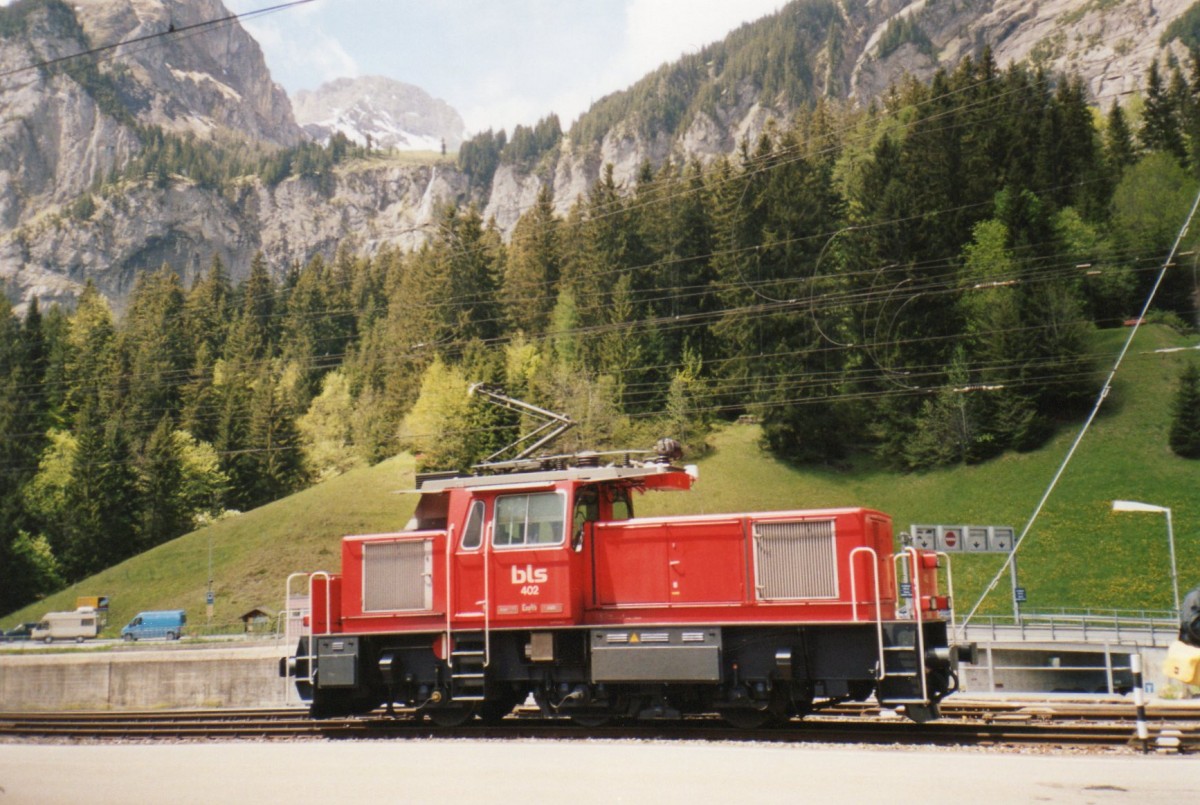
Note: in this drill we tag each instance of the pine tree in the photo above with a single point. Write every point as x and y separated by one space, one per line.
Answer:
672 220
532 269
153 349
275 455
1160 118
308 341
254 336
90 352
1119 149
1185 414
206 317
164 513
738 332
231 402
393 356
207 310
948 425
101 496
605 247
16 464
468 255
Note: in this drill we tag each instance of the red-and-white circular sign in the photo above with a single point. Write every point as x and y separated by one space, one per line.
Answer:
951 539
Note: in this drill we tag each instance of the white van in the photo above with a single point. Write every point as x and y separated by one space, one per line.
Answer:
78 626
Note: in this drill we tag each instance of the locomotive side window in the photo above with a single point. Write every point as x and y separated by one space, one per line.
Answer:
622 506
473 533
587 508
529 519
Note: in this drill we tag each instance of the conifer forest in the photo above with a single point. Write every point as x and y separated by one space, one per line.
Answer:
915 282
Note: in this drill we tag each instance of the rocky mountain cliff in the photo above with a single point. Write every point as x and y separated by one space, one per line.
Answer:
67 133
70 211
381 113
853 50
65 127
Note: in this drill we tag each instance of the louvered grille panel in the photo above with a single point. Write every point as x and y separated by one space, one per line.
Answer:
795 560
396 576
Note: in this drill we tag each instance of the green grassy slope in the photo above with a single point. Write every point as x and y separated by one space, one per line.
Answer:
252 553
1078 554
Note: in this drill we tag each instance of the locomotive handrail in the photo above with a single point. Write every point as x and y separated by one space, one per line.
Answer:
449 595
310 644
912 557
854 582
949 588
878 604
287 593
328 596
489 533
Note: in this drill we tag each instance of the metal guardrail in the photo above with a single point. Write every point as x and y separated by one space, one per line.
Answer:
1133 627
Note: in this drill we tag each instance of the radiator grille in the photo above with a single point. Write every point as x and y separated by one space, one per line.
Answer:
795 560
397 576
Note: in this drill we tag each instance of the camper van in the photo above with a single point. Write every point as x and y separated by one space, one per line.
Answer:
166 623
78 626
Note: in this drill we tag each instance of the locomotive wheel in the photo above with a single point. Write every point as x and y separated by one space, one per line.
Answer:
592 720
451 715
749 718
492 712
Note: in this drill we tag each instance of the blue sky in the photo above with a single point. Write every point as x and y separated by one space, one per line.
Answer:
498 63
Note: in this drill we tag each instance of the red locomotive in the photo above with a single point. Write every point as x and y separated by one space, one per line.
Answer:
539 580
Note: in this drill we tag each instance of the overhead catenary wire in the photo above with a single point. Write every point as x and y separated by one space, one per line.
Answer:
756 164
1100 398
102 52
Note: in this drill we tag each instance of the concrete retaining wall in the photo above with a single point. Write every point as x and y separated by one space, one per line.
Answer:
1067 668
182 676
178 677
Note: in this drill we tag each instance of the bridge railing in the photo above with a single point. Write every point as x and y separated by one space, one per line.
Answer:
1140 627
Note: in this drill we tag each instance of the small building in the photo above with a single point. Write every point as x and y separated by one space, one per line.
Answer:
257 620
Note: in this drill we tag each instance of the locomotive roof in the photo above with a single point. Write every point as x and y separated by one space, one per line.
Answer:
652 475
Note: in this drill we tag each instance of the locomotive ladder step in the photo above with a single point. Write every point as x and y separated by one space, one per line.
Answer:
466 661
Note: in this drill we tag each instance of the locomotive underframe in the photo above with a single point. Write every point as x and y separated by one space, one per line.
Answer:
747 673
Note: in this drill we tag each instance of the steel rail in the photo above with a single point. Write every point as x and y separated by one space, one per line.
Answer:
975 724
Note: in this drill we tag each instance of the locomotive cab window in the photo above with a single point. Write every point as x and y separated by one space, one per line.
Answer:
535 519
473 532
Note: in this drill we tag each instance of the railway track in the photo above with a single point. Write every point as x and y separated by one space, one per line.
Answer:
1171 729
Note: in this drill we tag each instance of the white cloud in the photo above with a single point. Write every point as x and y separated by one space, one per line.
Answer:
660 31
299 54
655 32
